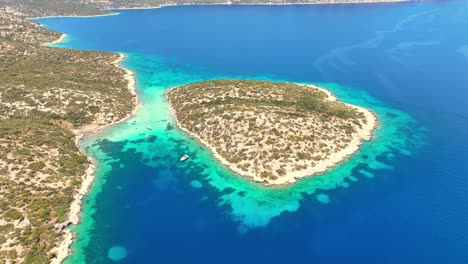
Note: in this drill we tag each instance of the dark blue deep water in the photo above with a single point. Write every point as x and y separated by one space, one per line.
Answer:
412 57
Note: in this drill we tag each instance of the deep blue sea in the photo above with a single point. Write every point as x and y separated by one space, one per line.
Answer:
403 198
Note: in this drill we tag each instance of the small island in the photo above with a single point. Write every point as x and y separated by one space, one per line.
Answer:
271 132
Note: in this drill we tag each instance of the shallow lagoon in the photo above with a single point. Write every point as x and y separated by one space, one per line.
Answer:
400 199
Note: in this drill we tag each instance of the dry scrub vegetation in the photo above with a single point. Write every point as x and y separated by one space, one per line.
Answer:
266 129
44 94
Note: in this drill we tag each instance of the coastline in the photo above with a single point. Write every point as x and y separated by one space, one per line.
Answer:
365 134
321 2
57 41
63 249
72 16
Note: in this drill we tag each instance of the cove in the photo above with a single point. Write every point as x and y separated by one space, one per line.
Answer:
391 200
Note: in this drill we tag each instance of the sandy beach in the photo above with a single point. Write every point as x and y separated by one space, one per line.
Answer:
62 38
364 134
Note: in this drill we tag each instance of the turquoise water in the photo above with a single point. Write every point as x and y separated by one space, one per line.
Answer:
399 199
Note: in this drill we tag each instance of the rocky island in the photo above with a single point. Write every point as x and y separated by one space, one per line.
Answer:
271 132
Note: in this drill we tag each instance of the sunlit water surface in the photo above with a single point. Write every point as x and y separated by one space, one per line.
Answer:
400 199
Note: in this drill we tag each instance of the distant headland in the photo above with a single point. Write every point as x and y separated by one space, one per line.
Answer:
27 8
271 132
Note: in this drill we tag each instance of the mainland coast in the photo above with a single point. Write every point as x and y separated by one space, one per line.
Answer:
318 2
63 249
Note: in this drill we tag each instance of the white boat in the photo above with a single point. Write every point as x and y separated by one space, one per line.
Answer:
184 157
149 128
148 136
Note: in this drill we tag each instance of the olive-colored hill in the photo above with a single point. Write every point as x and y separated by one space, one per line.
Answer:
45 93
36 8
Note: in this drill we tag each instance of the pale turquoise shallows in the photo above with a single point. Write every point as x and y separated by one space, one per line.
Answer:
250 204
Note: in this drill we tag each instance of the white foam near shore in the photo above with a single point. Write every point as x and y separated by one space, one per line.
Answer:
364 133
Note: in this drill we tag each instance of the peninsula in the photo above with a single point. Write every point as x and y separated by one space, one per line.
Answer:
49 97
271 132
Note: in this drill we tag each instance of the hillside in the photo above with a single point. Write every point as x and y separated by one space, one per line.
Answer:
45 94
36 8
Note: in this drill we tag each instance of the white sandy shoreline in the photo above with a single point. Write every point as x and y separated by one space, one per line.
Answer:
63 249
60 39
364 134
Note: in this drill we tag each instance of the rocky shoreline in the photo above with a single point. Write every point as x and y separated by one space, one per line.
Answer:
63 250
365 134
